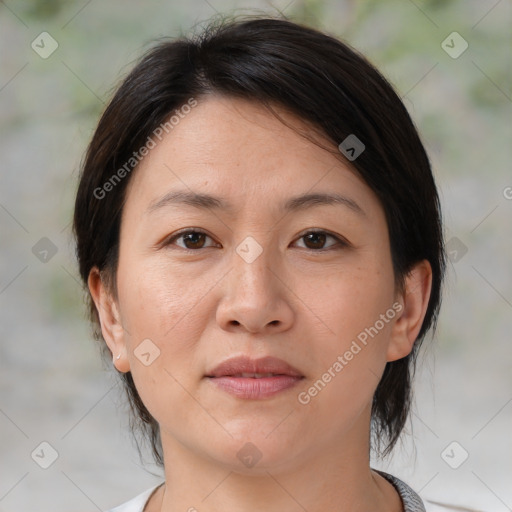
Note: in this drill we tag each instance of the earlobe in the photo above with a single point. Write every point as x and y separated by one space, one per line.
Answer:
110 320
414 300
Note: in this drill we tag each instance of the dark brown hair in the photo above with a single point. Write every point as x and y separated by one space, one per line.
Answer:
324 82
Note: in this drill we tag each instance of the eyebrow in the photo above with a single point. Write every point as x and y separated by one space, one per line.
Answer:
207 201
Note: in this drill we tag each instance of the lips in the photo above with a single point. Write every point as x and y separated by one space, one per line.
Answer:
254 379
246 367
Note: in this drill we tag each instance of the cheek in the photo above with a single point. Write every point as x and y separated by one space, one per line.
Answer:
166 314
356 310
161 317
351 301
157 300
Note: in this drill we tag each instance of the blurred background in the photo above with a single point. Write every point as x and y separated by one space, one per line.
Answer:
59 60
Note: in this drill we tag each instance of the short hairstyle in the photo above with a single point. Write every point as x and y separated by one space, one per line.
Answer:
321 80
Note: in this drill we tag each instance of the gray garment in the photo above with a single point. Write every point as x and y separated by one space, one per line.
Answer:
412 502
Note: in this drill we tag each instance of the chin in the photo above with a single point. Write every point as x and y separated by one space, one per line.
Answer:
254 452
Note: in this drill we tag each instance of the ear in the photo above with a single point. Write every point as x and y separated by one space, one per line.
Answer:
110 320
414 301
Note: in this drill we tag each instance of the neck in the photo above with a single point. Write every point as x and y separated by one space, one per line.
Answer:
337 479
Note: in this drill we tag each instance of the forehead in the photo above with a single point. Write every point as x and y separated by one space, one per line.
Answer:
237 148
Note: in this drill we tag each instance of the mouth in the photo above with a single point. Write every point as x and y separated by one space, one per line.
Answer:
254 379
255 375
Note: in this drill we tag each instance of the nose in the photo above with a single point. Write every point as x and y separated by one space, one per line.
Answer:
256 297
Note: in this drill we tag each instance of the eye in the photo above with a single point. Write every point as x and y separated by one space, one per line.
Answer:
192 239
316 240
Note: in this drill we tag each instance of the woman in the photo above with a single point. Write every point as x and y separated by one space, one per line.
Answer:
260 234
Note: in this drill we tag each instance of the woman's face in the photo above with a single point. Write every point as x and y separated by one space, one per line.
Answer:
202 280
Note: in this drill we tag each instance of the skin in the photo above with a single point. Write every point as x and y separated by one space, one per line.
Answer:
301 300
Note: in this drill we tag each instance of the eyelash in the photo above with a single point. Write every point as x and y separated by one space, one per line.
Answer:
340 242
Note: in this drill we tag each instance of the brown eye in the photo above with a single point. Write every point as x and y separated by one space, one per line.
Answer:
317 240
194 240
191 240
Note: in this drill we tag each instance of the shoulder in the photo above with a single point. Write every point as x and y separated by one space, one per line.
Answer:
413 503
136 504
